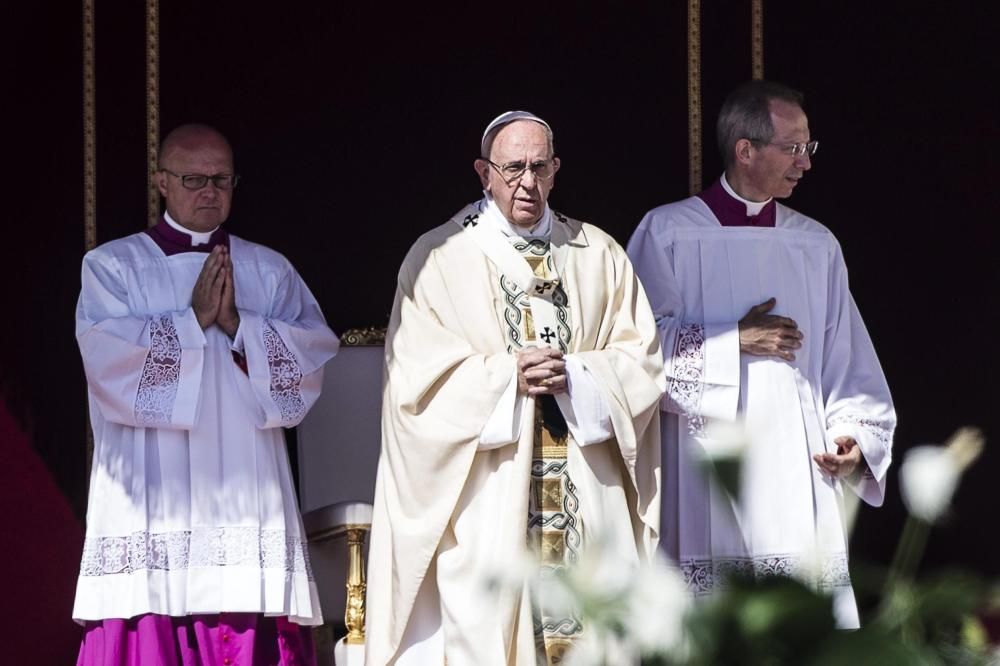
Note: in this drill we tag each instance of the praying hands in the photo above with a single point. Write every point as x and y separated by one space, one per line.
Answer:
214 296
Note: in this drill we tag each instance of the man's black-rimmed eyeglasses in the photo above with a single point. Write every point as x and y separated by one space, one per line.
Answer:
196 181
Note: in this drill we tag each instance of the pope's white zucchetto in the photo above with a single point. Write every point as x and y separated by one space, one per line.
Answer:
509 117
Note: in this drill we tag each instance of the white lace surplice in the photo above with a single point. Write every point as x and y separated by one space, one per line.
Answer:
192 507
701 278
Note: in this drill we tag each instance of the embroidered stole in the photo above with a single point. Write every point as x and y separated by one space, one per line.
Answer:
536 315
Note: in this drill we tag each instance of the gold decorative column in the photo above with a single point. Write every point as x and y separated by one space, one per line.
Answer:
694 96
89 131
89 160
152 109
757 39
354 613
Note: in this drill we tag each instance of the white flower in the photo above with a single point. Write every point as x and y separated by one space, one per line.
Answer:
629 610
927 479
603 572
929 474
561 593
511 575
656 608
724 440
600 647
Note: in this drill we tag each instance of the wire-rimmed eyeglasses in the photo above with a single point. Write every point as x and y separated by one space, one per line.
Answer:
795 149
512 172
196 181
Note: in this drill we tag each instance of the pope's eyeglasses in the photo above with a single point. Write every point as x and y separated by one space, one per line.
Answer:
512 172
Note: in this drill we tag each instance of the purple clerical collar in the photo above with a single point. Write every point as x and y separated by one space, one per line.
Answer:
172 241
733 212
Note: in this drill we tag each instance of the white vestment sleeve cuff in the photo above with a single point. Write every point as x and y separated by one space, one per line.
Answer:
722 371
504 424
237 344
870 485
583 405
189 331
192 341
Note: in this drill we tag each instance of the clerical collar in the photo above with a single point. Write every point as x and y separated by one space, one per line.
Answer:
173 239
753 207
197 237
491 212
732 210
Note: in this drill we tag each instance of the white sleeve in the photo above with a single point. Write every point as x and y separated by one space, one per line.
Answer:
142 371
504 425
285 350
858 403
702 361
583 405
236 344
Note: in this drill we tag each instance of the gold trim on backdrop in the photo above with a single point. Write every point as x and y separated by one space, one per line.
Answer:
757 39
89 162
152 108
89 131
694 96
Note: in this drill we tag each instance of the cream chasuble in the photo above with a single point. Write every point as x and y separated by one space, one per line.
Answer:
452 511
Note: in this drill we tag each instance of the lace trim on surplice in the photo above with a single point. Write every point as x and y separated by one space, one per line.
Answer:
686 384
702 576
286 376
208 547
881 432
154 401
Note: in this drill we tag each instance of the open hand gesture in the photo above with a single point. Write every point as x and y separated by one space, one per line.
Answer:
842 463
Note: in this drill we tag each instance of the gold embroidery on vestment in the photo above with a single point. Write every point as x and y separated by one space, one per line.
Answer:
538 266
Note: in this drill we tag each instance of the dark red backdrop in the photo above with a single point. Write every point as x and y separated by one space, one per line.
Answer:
355 127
